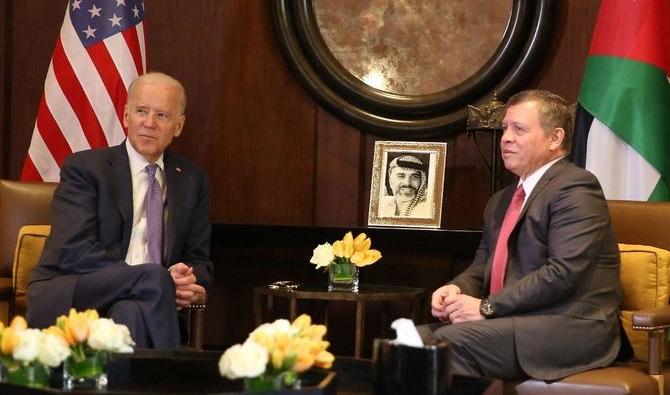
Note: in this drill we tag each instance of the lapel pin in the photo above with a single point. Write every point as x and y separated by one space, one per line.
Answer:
178 169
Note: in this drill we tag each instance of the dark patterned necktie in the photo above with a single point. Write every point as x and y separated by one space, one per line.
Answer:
500 256
153 203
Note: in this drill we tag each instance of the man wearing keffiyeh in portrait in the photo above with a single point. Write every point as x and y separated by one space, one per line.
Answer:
406 183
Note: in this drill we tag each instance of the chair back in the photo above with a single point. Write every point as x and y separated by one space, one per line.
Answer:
21 203
645 262
643 223
29 247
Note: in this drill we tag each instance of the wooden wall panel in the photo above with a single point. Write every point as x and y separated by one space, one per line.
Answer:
30 51
274 156
340 175
250 124
4 78
563 73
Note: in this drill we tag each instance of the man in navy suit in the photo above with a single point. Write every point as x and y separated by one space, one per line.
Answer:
99 256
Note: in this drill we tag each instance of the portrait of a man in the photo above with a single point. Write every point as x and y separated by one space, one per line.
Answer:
406 186
407 183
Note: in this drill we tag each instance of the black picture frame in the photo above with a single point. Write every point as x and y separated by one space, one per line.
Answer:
397 116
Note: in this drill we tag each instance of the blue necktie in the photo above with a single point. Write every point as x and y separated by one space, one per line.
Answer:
153 203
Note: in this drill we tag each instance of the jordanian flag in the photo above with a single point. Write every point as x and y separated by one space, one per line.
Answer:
623 115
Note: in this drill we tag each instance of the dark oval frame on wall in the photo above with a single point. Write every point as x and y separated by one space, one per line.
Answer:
391 115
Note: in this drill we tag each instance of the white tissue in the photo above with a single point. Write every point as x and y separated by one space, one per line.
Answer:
406 333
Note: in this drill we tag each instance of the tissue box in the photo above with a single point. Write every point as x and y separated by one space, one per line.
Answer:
400 369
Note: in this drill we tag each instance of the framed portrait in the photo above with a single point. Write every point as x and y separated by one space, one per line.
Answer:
407 184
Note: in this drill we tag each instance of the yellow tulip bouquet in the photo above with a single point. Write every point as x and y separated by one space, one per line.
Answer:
343 258
27 355
81 341
91 340
274 354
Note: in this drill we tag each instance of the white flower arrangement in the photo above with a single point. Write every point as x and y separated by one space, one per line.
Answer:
323 255
53 350
243 361
105 335
21 347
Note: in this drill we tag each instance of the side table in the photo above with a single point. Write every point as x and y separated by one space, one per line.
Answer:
366 293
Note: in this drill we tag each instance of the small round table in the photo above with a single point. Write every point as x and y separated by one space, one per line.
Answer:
366 293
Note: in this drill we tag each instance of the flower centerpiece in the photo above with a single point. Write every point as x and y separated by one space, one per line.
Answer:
91 340
27 355
274 354
343 258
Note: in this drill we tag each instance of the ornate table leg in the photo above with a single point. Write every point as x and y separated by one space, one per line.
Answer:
294 308
258 309
360 327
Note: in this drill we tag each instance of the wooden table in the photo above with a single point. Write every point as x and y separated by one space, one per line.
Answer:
355 377
366 293
197 373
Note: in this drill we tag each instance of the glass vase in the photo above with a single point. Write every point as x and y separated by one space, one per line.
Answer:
33 375
272 382
87 372
343 277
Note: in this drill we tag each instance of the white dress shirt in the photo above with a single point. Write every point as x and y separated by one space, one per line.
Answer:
138 252
531 181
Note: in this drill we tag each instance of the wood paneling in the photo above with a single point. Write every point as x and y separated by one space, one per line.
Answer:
563 73
4 58
273 155
340 177
29 47
249 123
251 255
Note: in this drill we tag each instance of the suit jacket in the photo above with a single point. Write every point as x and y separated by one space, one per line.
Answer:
562 286
92 222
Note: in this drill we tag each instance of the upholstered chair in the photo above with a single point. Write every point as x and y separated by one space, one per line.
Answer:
25 212
641 230
21 203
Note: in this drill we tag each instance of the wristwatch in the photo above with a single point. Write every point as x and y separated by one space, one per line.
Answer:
486 308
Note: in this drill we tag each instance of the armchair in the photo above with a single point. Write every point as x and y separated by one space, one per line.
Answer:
22 205
645 312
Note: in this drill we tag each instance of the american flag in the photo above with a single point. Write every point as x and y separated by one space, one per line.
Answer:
99 52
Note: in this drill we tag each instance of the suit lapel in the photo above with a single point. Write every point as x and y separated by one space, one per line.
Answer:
501 209
539 187
541 184
122 187
175 188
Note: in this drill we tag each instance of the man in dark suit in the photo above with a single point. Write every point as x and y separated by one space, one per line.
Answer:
541 297
131 232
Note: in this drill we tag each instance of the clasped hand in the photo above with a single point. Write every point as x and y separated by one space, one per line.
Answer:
448 304
187 291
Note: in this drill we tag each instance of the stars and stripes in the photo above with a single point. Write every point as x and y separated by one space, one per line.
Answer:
99 52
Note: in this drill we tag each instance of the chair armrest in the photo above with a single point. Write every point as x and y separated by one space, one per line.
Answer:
652 319
199 304
197 322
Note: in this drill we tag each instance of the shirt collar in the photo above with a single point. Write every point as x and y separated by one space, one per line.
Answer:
137 161
532 180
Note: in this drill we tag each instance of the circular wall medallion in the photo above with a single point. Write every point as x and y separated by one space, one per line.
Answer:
408 69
